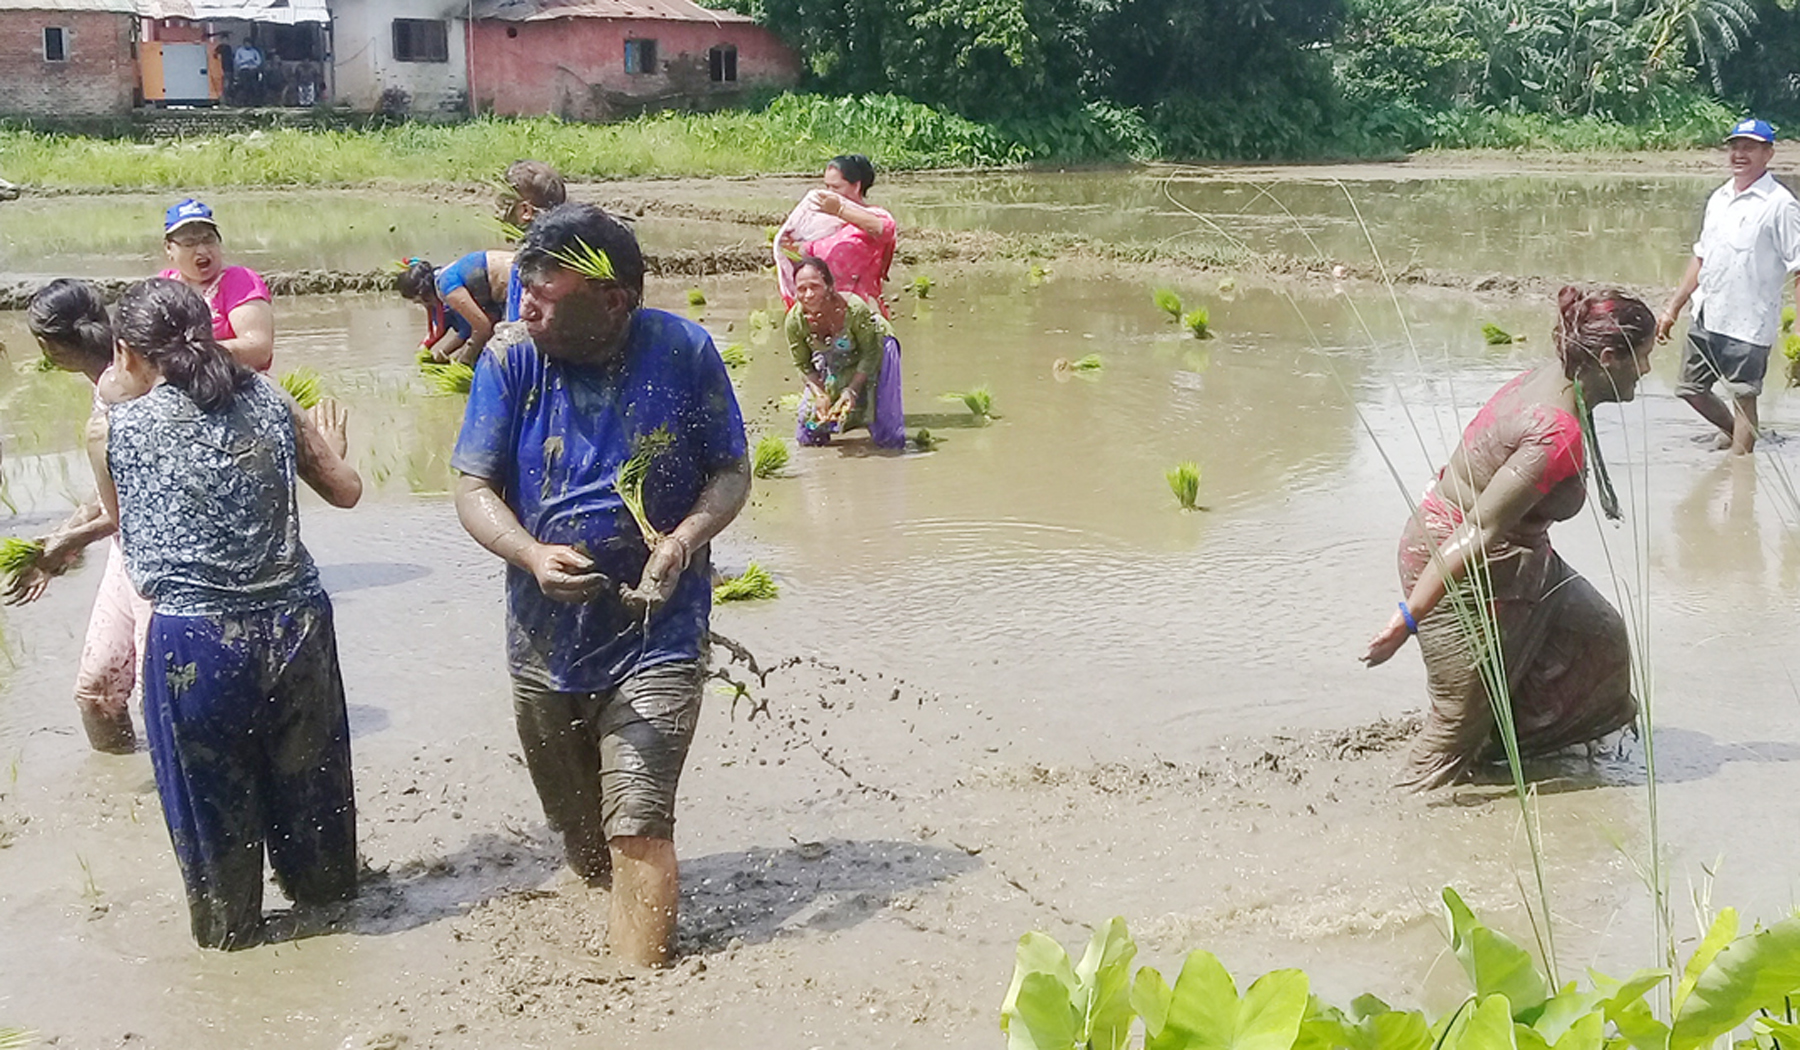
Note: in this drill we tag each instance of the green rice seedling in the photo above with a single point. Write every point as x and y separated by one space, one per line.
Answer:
1168 302
735 355
696 297
424 356
924 441
769 233
1038 274
755 584
1787 318
922 285
1495 335
585 260
1090 363
17 555
1184 482
452 378
302 384
16 1038
1199 322
760 319
789 402
770 458
979 401
631 477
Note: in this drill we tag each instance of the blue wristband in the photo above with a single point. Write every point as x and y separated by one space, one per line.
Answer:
1412 625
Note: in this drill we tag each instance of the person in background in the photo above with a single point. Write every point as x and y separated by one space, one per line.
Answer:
243 316
606 683
847 357
243 697
533 188
1482 531
461 308
861 250
71 325
1749 244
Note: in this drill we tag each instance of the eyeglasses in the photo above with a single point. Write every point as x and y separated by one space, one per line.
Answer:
195 240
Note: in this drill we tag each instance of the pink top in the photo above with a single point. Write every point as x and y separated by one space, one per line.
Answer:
859 262
235 286
1557 431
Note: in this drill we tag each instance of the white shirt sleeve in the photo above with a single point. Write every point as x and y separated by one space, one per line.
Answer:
1787 235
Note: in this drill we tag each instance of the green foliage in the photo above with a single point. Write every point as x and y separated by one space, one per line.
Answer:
1787 319
1090 363
1495 335
1198 322
924 440
16 1038
696 297
1168 302
629 482
453 377
1728 981
921 286
584 259
755 584
770 457
979 401
17 555
302 384
1184 482
735 355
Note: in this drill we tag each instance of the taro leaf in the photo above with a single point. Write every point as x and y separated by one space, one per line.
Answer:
1495 965
1620 995
1751 974
1150 997
1397 1030
1327 1030
1490 1027
1528 1038
1366 1006
1640 1027
1040 1015
1205 1012
1038 953
1563 1009
1269 1016
1789 1034
1587 1033
1103 993
1724 930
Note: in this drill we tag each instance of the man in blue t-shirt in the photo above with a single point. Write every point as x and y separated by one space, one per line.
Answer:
589 392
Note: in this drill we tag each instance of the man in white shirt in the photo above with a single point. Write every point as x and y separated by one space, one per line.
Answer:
1749 243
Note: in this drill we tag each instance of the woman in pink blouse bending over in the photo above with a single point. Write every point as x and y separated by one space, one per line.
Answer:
242 317
834 224
1521 467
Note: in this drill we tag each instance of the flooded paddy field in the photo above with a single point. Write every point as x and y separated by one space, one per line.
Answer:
1011 685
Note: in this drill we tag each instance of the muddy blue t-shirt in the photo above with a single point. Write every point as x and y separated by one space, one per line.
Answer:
552 436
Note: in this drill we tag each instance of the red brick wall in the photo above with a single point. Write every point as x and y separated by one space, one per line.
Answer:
575 67
98 79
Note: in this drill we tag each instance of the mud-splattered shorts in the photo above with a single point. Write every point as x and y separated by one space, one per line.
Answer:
1712 357
250 742
607 764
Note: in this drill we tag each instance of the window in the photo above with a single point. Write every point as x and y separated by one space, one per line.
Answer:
723 62
56 44
421 40
640 56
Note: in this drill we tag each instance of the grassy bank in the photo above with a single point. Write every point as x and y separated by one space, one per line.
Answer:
793 133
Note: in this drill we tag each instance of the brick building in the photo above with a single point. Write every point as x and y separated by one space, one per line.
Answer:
602 59
67 58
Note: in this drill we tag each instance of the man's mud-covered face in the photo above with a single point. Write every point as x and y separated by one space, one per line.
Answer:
574 319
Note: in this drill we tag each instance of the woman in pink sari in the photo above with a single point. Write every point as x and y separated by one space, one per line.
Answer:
854 238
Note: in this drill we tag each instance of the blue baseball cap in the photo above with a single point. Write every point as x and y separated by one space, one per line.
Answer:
1751 128
187 213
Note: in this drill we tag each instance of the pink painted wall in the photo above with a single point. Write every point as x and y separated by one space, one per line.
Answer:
575 67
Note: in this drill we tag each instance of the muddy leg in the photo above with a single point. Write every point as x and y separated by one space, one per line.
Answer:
561 752
109 662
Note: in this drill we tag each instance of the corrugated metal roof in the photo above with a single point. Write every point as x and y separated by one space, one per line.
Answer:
127 7
285 12
652 10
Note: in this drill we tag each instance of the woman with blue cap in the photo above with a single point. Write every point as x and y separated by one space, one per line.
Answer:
243 318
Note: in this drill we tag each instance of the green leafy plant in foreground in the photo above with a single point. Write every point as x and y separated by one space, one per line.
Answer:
979 401
770 457
1495 335
17 555
735 355
302 384
452 377
696 297
1168 302
1184 482
922 285
1198 322
631 477
754 584
1096 1003
1090 363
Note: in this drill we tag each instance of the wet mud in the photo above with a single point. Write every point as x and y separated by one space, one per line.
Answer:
1010 686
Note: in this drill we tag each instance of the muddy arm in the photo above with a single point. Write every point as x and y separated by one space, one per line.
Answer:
564 574
254 343
481 327
320 445
97 430
723 496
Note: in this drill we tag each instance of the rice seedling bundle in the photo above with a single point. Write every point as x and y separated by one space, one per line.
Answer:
1168 302
922 285
1038 274
755 584
1184 482
1090 363
759 319
924 441
1199 322
696 297
979 401
1787 318
1495 335
770 457
735 355
586 261
17 555
302 384
1790 346
631 477
452 378
16 1038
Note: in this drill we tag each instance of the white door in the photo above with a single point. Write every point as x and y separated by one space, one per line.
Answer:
184 73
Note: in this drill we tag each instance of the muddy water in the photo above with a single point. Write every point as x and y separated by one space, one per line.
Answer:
1030 693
